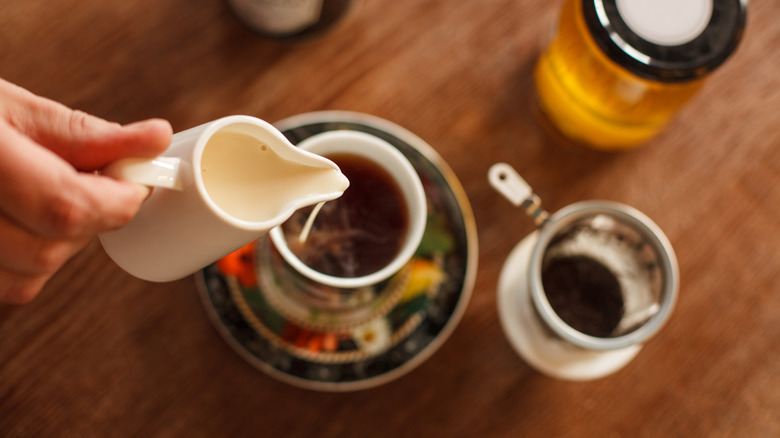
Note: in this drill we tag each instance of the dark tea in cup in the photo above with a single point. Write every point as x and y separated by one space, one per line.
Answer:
373 230
359 233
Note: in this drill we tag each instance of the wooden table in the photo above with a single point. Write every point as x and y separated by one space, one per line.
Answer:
100 353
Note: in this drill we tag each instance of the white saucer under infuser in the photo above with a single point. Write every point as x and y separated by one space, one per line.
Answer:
538 346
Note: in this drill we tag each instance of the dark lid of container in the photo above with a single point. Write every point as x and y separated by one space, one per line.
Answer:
667 40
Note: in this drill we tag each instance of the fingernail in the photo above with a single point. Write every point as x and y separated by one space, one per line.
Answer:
143 191
138 126
144 124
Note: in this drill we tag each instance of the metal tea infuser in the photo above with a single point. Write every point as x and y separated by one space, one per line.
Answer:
580 295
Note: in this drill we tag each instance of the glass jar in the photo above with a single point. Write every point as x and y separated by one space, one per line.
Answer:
618 70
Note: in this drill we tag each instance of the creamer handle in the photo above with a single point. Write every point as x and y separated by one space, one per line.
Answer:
154 172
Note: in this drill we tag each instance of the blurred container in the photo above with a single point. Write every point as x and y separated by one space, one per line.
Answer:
291 19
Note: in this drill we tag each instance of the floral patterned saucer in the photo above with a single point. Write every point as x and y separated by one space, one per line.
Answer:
419 307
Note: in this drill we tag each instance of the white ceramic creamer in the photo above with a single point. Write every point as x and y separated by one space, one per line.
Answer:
218 186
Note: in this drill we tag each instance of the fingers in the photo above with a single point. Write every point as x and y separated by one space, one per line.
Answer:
48 212
85 141
27 261
50 208
20 289
29 254
103 204
45 195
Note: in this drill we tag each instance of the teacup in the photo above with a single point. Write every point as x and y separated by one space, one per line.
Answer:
332 266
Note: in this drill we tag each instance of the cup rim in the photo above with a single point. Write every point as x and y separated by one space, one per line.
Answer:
641 223
414 195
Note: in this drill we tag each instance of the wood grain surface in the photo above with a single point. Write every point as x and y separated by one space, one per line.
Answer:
100 353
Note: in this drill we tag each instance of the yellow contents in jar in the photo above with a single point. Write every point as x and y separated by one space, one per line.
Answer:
593 100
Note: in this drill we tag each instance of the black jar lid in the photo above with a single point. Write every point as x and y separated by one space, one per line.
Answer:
669 40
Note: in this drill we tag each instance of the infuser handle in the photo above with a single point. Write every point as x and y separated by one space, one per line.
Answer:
509 183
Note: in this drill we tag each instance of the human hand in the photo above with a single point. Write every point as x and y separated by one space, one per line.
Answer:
51 200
